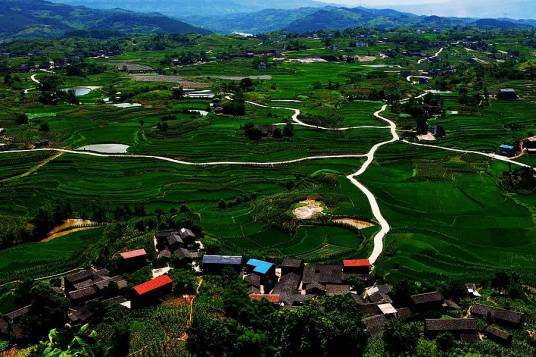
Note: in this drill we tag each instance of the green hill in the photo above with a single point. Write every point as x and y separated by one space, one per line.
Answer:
23 19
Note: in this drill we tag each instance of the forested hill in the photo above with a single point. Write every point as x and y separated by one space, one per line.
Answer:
311 19
22 19
183 9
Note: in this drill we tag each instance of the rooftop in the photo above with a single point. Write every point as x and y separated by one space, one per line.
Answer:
356 263
152 285
450 325
291 263
222 259
497 313
387 309
425 298
260 266
273 298
133 254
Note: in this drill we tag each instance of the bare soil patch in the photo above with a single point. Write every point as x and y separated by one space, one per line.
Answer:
154 77
354 222
309 209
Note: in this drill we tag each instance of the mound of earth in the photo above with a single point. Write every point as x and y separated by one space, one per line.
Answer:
309 209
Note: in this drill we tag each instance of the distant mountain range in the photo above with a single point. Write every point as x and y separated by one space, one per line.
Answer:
184 9
23 19
337 18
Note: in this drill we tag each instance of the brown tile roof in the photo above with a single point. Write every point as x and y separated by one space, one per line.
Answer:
292 263
15 314
324 274
426 298
374 324
404 313
83 284
497 314
88 292
79 276
497 333
459 325
287 283
337 289
253 280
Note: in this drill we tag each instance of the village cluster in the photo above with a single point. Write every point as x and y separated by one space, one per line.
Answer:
286 285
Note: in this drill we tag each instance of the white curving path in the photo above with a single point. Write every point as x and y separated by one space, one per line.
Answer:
189 163
490 155
434 56
297 121
385 228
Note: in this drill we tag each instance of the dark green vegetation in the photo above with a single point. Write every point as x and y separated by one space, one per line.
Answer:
43 19
225 171
433 199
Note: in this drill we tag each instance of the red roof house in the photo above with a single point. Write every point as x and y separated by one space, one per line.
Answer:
273 298
356 266
153 285
133 254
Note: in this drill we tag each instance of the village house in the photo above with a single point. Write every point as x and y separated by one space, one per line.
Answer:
83 294
500 316
337 289
287 289
89 284
319 275
291 265
272 298
265 270
40 144
374 324
507 150
506 94
133 259
151 291
427 301
356 266
387 310
216 264
9 323
498 335
76 278
463 329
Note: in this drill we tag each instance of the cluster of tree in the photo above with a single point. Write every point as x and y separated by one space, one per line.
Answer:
329 327
50 216
184 58
83 342
82 68
234 107
521 180
329 117
51 93
47 309
254 132
15 233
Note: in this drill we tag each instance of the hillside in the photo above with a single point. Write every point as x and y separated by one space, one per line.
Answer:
22 19
200 8
257 22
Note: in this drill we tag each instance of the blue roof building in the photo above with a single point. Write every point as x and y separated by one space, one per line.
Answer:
260 266
507 150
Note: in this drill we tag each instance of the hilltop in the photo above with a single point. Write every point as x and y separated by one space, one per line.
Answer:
23 19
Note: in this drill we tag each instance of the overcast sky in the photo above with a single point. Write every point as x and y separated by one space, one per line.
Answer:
469 8
377 3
